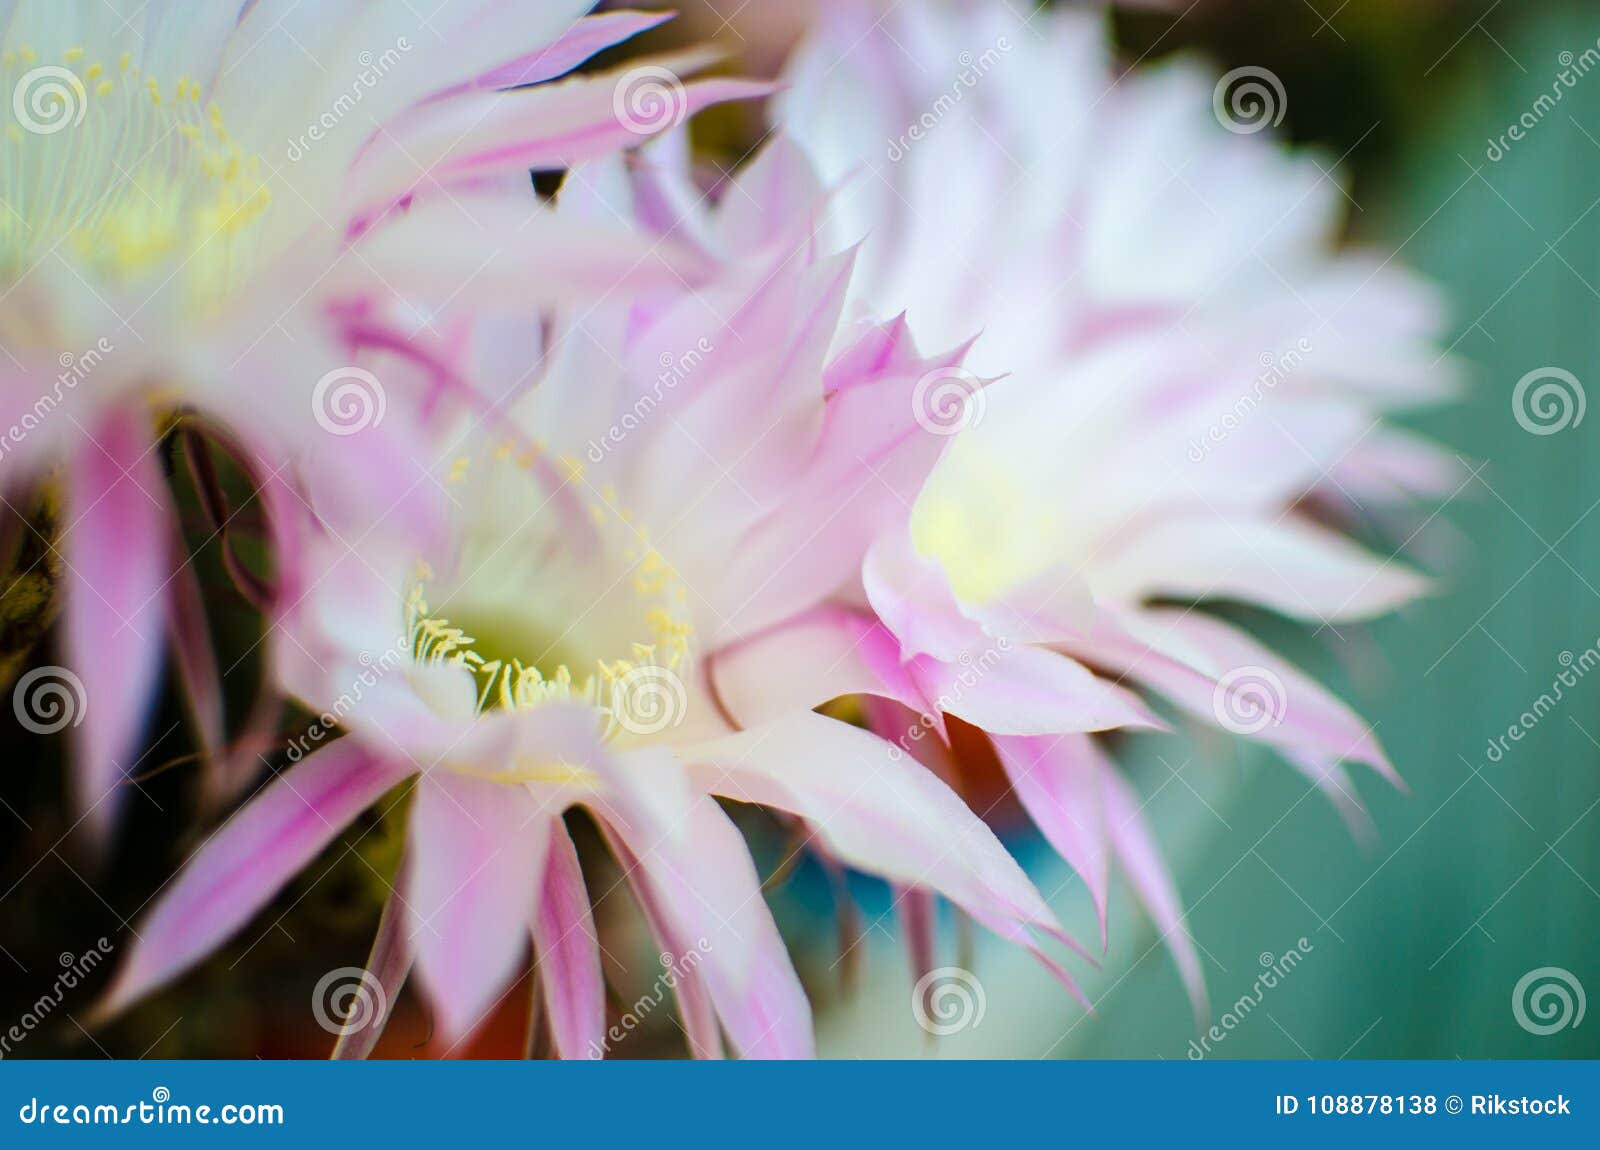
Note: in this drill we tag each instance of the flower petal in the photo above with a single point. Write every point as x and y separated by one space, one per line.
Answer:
554 125
706 887
246 862
811 660
485 268
1057 780
1011 690
1187 656
694 996
478 850
567 953
118 562
1293 567
913 596
585 39
880 812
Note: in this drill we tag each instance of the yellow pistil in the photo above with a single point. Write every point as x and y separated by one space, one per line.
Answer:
510 684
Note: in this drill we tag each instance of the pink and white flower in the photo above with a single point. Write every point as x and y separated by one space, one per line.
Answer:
196 204
684 469
1196 387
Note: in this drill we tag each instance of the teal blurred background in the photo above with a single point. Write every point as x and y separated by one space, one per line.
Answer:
1486 870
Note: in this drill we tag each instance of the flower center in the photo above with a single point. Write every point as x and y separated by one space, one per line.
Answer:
542 609
510 681
983 523
127 175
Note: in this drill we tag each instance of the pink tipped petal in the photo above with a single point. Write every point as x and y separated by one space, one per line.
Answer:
1043 609
768 328
461 40
769 195
486 267
584 39
388 964
478 850
567 954
815 658
1057 780
1393 466
872 447
707 889
116 546
1138 853
559 125
912 595
1209 667
246 862
879 811
1336 784
1012 690
1293 567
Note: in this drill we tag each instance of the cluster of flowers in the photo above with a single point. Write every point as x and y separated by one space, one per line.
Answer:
828 513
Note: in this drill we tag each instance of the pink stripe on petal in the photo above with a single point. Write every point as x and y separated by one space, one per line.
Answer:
246 862
567 954
559 125
585 39
1057 780
116 546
